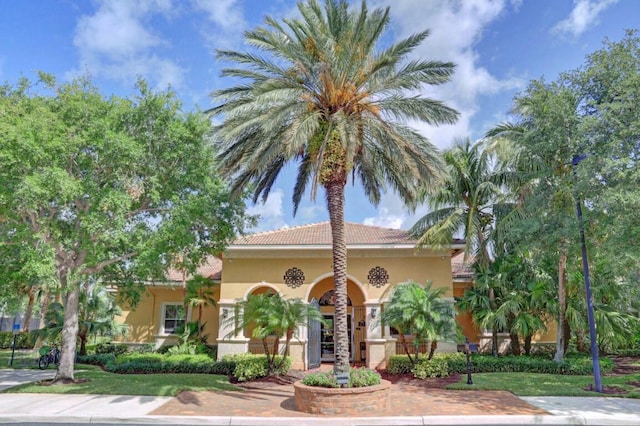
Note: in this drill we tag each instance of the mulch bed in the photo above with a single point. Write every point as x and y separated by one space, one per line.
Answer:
622 366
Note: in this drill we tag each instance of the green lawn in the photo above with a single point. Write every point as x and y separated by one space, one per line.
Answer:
21 359
102 382
534 384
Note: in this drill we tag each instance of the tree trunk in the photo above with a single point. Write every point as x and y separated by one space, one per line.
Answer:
432 349
29 311
527 345
515 344
82 336
567 335
43 309
494 331
403 340
335 205
69 332
562 301
581 342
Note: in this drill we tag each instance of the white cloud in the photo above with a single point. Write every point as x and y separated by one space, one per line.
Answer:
455 28
392 213
271 212
118 42
227 14
583 16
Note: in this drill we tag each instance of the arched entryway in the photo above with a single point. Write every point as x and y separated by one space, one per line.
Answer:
256 346
323 293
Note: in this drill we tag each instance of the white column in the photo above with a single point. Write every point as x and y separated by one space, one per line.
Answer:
230 342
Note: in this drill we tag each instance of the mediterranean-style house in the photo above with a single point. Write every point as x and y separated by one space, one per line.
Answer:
297 263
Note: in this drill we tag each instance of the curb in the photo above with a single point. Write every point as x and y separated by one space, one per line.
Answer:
511 420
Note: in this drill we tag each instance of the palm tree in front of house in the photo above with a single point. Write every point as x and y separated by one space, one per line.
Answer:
470 201
271 316
317 91
421 312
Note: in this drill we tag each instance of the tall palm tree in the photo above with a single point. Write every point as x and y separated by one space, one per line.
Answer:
318 92
469 201
421 312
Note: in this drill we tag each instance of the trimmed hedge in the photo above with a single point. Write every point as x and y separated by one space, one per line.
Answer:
97 359
111 348
242 366
445 364
158 363
252 366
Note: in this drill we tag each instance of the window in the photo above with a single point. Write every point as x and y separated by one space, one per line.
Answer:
172 318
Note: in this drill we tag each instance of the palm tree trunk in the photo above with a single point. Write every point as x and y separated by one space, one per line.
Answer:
403 340
265 345
335 205
432 349
562 302
527 344
515 344
581 341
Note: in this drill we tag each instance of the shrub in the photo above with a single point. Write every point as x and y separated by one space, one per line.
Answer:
224 366
363 377
111 348
321 380
145 348
435 367
571 365
97 359
399 364
23 340
251 366
358 378
158 363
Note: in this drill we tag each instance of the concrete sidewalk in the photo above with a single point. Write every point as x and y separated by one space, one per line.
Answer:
119 409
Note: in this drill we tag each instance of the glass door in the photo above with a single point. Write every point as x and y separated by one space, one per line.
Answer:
327 338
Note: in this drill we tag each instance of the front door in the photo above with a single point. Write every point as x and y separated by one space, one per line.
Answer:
314 340
327 337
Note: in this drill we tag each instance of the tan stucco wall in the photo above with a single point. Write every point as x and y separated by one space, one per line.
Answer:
144 320
242 272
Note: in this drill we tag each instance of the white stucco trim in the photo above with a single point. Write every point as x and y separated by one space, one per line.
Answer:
330 274
261 284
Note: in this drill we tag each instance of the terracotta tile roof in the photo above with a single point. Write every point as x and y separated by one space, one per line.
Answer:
320 234
211 269
461 269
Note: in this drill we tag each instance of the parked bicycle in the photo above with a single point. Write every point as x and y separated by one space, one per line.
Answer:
52 355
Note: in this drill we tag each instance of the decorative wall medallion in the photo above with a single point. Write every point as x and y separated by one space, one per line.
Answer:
378 276
294 277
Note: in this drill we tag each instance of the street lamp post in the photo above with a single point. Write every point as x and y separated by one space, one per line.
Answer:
587 284
467 351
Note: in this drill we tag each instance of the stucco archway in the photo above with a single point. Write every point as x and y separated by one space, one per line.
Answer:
321 290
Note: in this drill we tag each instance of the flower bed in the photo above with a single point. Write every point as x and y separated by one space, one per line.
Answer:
342 401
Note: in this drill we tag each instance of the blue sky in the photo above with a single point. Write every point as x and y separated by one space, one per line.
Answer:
498 46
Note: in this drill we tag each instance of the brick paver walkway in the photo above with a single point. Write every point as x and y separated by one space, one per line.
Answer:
406 400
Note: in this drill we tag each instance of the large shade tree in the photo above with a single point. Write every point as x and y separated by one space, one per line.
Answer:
109 188
543 138
318 91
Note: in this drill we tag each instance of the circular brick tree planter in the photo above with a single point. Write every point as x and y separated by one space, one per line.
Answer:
343 401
